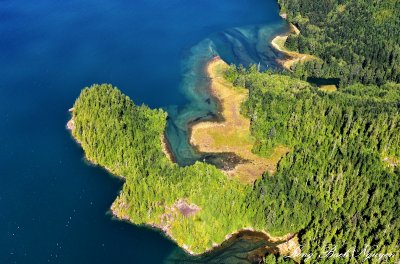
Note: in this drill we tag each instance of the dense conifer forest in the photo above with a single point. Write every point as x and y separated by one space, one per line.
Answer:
357 40
339 185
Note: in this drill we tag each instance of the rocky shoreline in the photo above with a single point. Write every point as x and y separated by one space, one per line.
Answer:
284 245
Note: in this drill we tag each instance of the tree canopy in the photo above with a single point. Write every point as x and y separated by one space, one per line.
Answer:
357 40
336 187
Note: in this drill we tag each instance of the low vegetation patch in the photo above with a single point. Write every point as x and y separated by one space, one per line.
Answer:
233 133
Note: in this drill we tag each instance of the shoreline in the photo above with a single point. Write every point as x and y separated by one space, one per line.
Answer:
70 126
278 43
166 148
218 121
217 118
230 132
283 245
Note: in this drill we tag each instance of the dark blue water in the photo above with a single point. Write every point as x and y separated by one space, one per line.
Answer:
53 206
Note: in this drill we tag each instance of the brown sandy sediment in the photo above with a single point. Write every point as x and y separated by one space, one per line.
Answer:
283 15
232 132
71 125
293 57
285 245
166 148
391 161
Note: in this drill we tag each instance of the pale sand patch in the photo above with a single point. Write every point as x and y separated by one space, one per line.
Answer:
392 161
71 124
166 148
328 88
294 29
293 57
233 134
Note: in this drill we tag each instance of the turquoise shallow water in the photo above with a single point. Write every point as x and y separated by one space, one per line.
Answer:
240 45
53 205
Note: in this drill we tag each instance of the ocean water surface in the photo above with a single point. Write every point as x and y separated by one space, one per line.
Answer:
53 205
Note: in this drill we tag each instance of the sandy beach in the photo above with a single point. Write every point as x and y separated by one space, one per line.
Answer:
293 57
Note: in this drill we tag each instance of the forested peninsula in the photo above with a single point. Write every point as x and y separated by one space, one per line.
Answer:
336 186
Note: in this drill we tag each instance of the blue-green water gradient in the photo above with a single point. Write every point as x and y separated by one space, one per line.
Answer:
53 205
